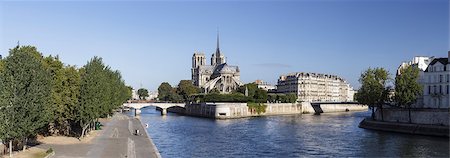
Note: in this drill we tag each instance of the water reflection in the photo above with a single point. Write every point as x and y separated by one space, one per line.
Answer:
283 136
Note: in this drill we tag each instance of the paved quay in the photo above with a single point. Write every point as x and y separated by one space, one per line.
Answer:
117 139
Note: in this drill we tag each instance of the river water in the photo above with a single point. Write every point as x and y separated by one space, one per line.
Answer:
333 134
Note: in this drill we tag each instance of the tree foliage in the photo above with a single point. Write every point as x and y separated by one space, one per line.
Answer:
143 93
374 90
259 108
37 92
407 87
164 91
65 83
282 98
187 89
217 97
255 94
24 94
101 91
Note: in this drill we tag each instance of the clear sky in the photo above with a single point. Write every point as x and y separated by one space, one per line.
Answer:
151 41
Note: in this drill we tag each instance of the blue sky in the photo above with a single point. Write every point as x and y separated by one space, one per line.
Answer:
152 41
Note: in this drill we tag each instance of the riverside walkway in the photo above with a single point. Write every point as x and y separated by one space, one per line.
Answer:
117 139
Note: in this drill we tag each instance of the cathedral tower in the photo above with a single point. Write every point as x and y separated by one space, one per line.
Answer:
198 59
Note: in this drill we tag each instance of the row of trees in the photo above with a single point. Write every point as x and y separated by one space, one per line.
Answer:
42 95
181 93
375 89
187 92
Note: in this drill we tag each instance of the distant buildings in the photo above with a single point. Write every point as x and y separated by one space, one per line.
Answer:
151 95
312 87
436 83
421 61
264 85
219 75
134 94
434 77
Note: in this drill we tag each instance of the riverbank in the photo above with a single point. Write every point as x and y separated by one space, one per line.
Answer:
116 139
421 129
424 121
152 146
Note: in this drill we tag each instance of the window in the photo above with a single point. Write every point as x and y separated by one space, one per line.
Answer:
448 77
429 89
434 90
440 89
440 78
447 89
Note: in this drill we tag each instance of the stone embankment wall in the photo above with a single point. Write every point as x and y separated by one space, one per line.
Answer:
422 129
434 122
308 107
418 116
238 110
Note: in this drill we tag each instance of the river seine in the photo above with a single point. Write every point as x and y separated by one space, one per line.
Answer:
333 134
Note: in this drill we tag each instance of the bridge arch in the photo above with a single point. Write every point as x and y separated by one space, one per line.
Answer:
162 106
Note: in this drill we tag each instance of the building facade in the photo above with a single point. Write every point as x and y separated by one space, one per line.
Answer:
315 87
436 81
219 75
264 85
422 63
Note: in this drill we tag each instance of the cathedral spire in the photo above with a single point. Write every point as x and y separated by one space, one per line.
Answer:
217 49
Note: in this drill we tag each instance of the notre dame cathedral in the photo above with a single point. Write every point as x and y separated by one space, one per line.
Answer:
219 75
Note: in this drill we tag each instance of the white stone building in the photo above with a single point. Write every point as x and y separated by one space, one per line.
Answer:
421 61
264 85
219 75
436 80
134 94
315 87
152 95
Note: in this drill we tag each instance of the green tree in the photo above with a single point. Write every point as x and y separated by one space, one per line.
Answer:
291 98
143 93
24 94
92 93
407 87
174 97
127 92
70 94
56 109
1 65
187 89
164 91
374 90
255 94
259 108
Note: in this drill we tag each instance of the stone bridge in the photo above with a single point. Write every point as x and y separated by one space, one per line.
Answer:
163 106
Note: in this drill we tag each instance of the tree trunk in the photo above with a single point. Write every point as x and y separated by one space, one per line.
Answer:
381 111
25 143
83 130
409 113
10 148
373 113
